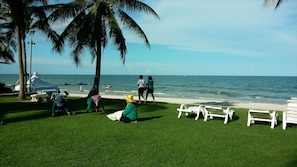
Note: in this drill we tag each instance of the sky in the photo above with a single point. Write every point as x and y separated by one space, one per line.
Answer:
192 37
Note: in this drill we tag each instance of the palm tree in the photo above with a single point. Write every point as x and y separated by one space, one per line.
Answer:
94 23
6 42
23 16
272 2
6 54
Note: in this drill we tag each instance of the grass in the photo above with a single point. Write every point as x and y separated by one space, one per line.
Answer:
31 137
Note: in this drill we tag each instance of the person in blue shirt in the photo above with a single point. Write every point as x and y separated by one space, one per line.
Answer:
59 106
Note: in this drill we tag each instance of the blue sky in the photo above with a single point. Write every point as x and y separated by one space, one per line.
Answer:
226 37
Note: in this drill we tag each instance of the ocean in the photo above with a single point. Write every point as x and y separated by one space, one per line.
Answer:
267 89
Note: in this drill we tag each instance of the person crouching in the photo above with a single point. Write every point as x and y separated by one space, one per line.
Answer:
60 106
94 103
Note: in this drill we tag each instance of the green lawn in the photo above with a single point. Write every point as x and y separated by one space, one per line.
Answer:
31 137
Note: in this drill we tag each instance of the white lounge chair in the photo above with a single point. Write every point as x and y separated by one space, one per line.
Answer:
191 109
262 115
211 111
290 115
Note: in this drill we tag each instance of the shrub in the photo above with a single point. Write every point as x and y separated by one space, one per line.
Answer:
4 88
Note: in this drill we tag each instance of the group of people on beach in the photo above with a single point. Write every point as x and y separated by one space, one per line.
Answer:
148 86
94 103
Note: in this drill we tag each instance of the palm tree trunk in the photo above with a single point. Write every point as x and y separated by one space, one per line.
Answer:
21 67
95 89
25 63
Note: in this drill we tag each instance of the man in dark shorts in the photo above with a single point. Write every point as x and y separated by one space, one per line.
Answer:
141 88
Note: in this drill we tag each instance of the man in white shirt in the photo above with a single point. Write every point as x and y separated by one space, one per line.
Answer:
141 88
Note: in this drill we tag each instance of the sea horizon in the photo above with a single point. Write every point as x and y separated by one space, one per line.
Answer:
206 75
267 89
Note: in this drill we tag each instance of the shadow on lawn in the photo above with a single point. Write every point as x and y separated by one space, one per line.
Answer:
26 110
22 111
147 118
192 116
150 107
293 162
223 103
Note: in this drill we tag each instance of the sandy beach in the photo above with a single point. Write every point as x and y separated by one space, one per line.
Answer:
235 104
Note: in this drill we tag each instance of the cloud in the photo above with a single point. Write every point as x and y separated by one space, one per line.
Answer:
242 28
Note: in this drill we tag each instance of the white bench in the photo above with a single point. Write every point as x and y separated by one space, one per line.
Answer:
290 115
212 111
38 97
262 115
191 109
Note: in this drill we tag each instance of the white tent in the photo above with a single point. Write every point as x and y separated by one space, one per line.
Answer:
38 84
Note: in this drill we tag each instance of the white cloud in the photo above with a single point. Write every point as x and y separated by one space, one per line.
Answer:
242 28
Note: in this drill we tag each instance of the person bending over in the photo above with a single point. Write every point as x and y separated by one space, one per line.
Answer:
94 103
60 106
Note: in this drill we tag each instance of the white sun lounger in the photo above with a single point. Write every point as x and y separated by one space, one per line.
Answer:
290 115
211 111
191 109
262 115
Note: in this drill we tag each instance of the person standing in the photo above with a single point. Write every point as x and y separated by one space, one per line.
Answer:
150 88
141 88
81 88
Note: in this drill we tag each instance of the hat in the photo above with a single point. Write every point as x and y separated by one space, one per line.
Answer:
129 98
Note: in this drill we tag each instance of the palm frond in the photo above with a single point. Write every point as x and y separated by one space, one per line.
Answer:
76 54
136 6
133 26
275 3
116 36
69 10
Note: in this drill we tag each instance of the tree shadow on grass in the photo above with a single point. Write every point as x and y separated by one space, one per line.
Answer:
17 111
22 111
116 105
150 107
291 163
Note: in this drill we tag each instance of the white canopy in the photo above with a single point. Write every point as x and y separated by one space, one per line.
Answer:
38 84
